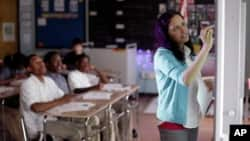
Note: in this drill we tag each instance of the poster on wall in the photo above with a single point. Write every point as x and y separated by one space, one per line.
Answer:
64 21
59 6
45 5
41 22
162 8
73 5
8 32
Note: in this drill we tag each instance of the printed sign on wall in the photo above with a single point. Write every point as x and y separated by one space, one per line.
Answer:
8 32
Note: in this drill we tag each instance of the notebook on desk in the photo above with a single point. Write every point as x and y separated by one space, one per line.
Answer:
17 82
97 95
115 87
72 106
4 89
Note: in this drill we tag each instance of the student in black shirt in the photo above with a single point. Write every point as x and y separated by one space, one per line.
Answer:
70 58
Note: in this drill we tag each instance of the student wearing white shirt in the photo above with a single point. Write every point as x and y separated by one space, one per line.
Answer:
38 93
86 77
82 79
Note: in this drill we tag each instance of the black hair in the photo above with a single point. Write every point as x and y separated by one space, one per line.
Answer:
15 61
48 57
76 41
28 60
8 61
80 57
162 38
19 60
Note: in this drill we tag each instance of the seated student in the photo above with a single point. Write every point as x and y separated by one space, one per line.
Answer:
5 74
83 79
38 93
12 68
54 65
70 58
18 66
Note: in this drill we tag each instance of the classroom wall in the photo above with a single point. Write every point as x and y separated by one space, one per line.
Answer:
27 26
8 13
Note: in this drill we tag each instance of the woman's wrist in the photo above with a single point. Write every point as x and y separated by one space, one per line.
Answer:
206 48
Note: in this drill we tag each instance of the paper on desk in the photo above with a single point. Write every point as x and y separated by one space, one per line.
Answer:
4 89
72 106
115 87
97 95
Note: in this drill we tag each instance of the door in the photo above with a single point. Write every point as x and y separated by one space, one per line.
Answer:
230 65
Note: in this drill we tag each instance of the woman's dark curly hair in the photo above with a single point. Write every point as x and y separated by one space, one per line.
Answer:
162 38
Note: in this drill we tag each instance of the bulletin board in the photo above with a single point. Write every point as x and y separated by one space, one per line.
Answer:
58 22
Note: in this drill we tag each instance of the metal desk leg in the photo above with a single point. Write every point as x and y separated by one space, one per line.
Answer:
136 117
109 135
44 128
86 124
246 107
3 119
127 133
25 136
133 109
107 124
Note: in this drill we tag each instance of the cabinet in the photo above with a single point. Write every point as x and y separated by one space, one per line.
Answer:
120 62
123 21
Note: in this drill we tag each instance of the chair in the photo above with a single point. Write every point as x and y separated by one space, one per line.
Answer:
72 130
24 131
15 125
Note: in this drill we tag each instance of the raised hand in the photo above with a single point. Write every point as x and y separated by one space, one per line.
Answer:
206 36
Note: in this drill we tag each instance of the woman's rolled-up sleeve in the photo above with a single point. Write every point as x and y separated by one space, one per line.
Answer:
169 65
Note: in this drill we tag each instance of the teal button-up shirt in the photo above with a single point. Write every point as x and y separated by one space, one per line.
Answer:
173 93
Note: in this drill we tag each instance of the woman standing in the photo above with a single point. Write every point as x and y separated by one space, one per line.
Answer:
178 77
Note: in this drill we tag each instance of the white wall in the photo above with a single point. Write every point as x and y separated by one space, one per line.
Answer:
230 66
121 62
27 26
